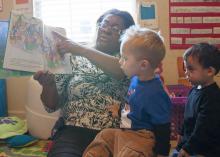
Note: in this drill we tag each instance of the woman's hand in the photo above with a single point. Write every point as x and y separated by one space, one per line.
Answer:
49 95
109 64
65 45
113 109
45 78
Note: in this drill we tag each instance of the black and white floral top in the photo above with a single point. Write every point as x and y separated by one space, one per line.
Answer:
86 93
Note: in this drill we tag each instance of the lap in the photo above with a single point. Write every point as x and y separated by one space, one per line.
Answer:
127 136
71 141
135 142
123 143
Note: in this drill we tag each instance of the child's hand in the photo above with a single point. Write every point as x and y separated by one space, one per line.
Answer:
183 153
179 138
113 109
127 107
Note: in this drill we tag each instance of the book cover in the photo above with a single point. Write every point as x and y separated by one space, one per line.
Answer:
4 73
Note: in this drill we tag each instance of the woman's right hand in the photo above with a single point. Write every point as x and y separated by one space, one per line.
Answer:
65 45
49 95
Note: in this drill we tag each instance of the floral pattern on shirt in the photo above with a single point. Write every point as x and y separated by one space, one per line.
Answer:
86 93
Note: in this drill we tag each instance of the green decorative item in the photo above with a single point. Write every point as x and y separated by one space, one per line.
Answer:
12 126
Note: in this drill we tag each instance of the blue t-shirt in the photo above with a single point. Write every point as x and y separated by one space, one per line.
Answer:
149 104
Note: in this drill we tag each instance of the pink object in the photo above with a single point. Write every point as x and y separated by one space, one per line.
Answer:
178 99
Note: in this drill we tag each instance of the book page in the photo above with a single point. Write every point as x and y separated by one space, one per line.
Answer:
31 47
52 60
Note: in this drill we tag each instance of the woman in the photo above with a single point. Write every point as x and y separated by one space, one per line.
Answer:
84 95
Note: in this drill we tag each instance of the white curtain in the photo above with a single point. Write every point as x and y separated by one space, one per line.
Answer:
78 17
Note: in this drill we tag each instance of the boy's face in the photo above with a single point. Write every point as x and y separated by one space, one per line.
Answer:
129 64
195 72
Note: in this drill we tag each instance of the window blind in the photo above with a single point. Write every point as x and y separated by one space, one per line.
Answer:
78 17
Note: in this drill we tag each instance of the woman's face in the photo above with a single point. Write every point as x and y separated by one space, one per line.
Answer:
108 34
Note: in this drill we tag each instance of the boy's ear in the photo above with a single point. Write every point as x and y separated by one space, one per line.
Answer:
211 71
145 63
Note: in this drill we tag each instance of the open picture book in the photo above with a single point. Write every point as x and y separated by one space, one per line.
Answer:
32 47
4 73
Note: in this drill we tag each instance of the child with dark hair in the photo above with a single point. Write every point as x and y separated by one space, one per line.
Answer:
200 133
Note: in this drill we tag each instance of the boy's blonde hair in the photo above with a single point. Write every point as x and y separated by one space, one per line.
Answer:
145 44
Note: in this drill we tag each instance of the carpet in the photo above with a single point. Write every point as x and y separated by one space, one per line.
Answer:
38 149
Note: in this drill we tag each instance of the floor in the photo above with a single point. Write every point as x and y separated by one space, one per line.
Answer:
38 149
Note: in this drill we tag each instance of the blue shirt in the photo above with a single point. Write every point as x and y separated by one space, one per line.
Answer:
149 104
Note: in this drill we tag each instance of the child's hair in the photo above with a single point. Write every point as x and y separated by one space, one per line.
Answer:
145 43
207 55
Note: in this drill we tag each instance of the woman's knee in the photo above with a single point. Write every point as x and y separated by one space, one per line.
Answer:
106 134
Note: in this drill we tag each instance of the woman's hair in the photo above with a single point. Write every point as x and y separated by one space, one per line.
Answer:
126 16
144 43
207 55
